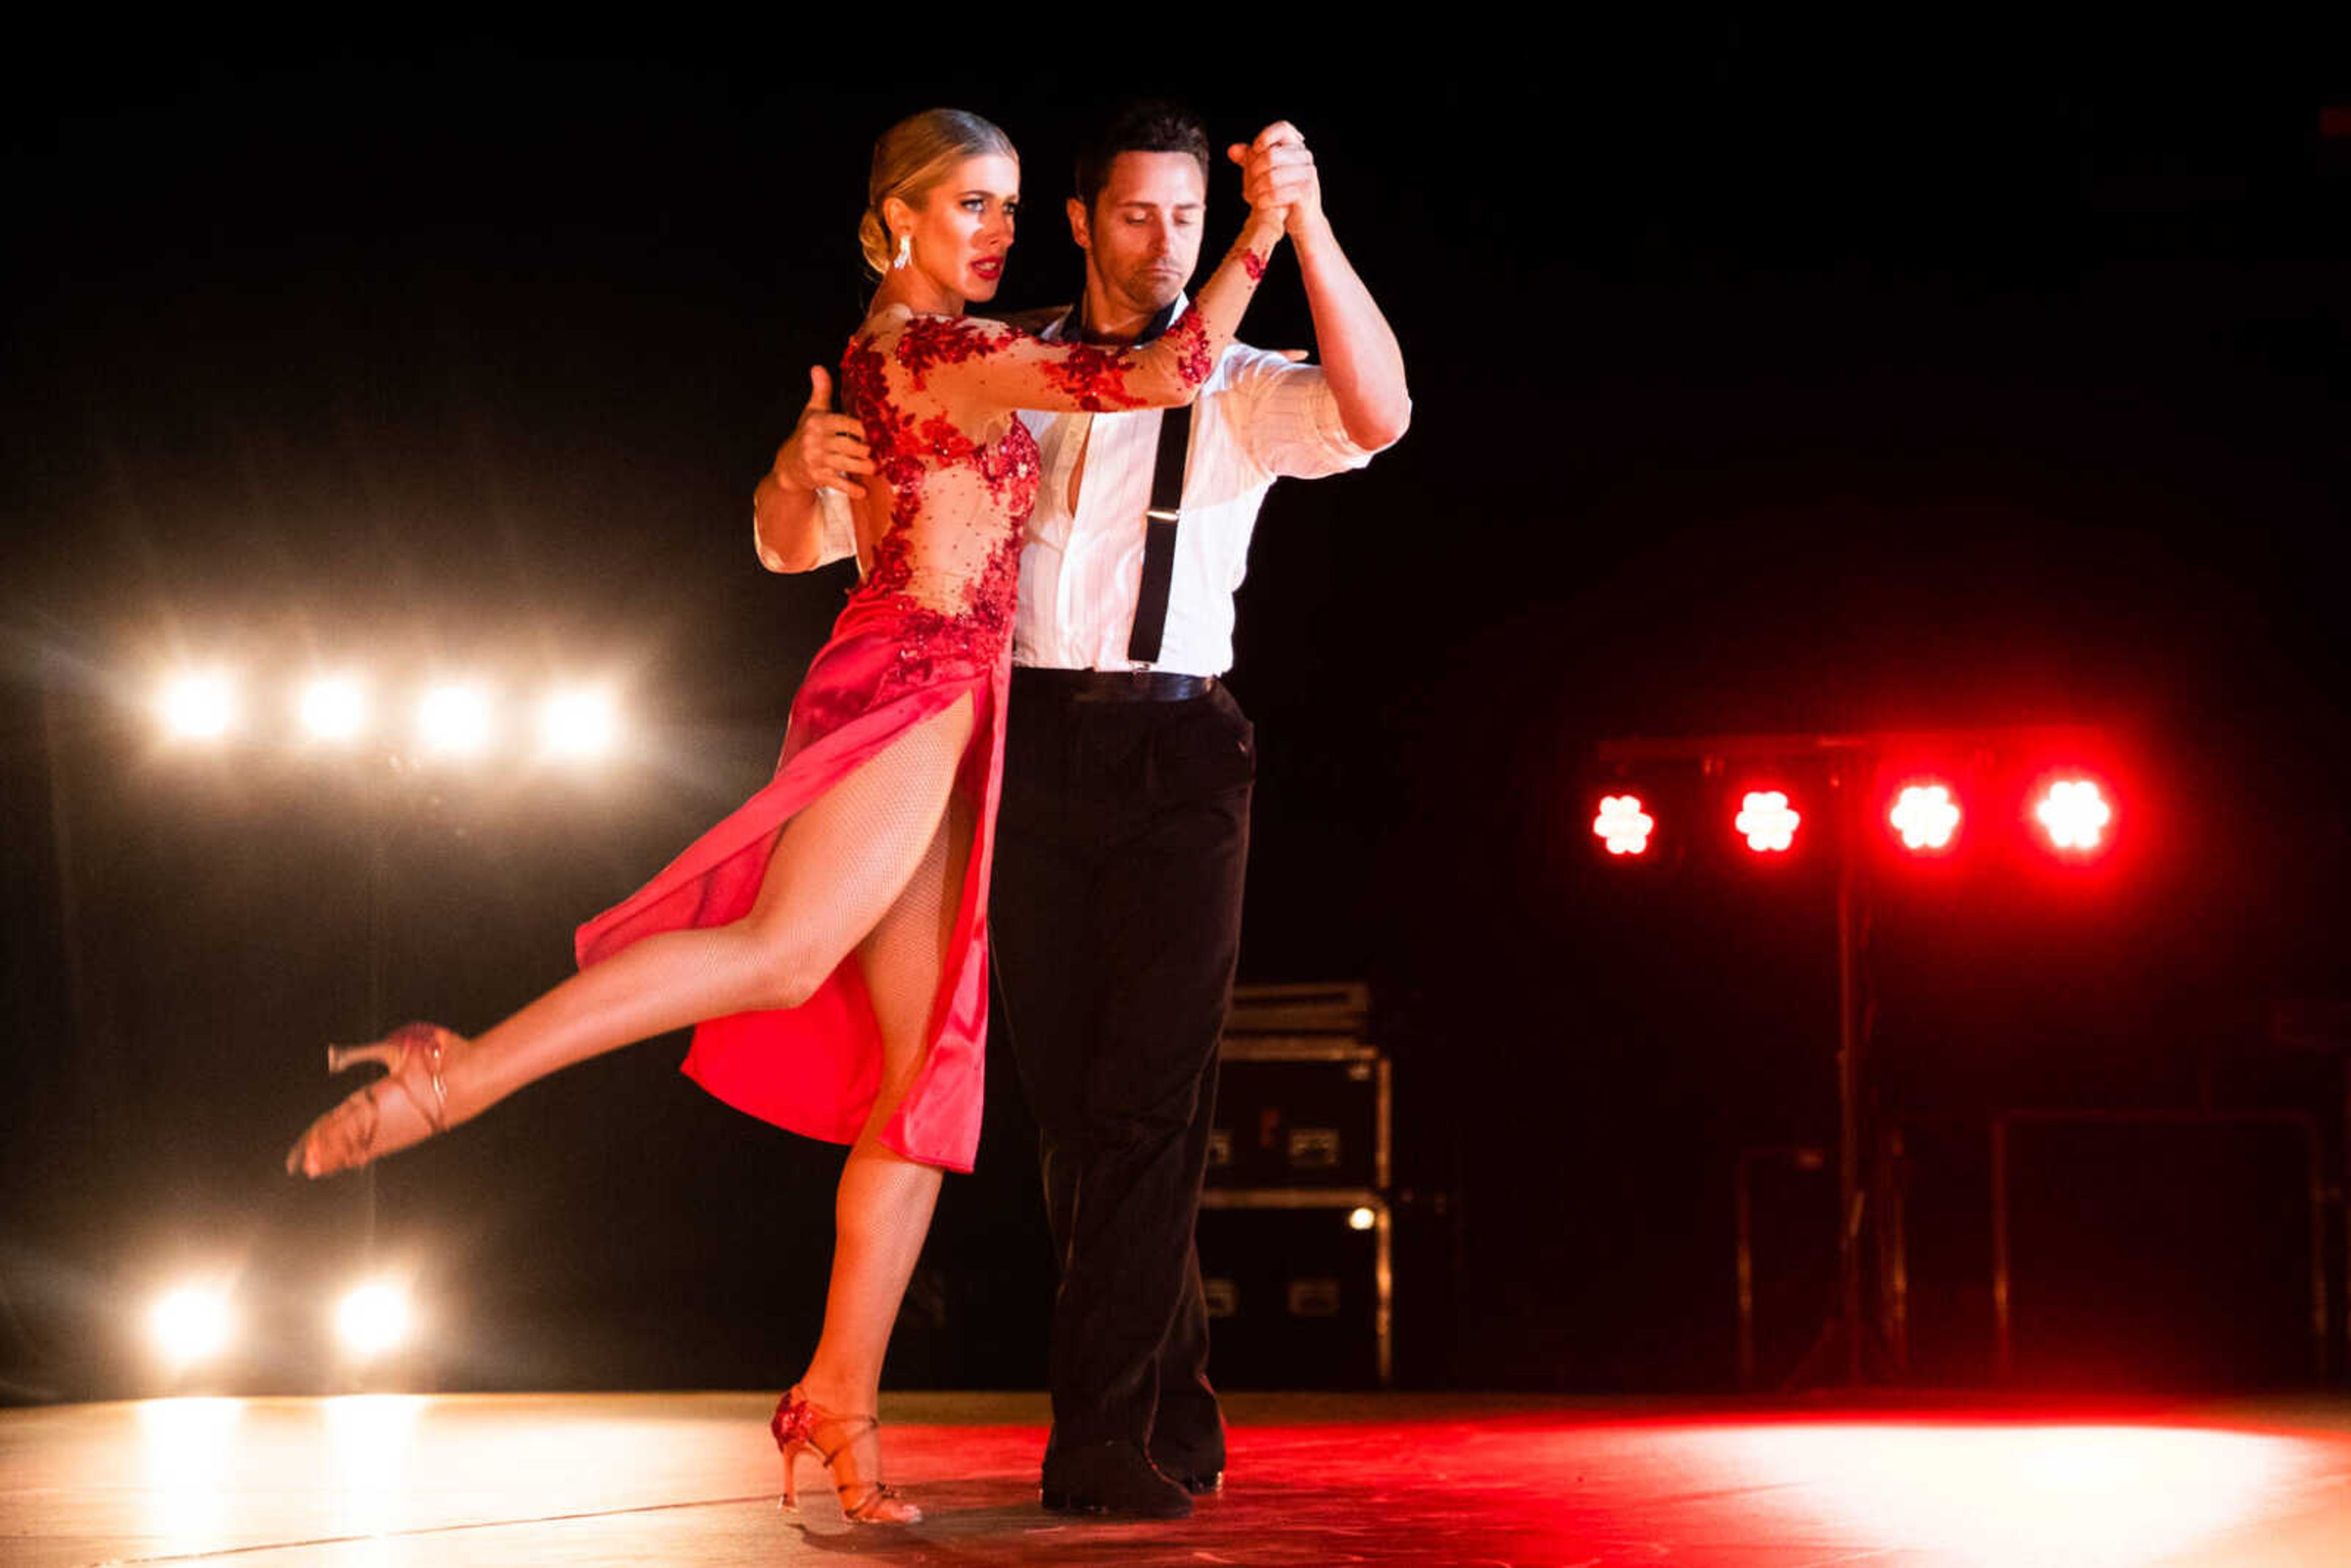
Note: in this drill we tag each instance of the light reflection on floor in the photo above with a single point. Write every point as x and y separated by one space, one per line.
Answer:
2080 1496
186 1447
372 1437
467 1481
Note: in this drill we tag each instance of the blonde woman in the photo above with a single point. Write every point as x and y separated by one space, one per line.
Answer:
828 938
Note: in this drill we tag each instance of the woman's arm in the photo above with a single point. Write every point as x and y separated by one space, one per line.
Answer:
960 358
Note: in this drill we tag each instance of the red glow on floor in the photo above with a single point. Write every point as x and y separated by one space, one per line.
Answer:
1314 1480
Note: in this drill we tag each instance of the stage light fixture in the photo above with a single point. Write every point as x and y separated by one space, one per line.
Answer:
579 724
1623 826
199 705
190 1323
2075 814
334 707
454 720
374 1318
1767 821
1925 816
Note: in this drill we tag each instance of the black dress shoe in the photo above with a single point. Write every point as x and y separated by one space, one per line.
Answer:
1110 1478
1187 1441
1199 1483
1197 1467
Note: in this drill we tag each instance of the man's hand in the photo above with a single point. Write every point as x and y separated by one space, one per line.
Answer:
824 448
1278 174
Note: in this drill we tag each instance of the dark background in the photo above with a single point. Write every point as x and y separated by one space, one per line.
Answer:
1765 378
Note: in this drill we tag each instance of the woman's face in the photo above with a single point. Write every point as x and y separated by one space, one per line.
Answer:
963 225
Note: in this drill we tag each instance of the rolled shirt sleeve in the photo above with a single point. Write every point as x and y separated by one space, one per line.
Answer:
1291 426
836 533
839 534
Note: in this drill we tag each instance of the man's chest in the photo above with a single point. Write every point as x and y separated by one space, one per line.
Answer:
1096 470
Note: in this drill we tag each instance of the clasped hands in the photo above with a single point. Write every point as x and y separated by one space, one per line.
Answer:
1278 175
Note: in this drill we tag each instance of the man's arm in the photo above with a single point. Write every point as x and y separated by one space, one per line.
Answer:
1361 360
798 519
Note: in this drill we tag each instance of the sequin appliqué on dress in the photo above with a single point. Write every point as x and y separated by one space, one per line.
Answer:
956 586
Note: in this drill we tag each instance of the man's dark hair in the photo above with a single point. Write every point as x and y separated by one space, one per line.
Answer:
1151 126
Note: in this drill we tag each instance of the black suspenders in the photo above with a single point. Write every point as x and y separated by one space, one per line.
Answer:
1159 533
1166 503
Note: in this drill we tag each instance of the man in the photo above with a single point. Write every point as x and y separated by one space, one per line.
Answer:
1122 830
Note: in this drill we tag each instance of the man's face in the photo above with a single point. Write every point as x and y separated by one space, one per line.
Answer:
1141 239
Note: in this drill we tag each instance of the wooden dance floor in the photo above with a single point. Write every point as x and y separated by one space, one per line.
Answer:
691 1478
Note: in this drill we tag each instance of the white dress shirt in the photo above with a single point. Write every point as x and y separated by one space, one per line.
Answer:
1259 418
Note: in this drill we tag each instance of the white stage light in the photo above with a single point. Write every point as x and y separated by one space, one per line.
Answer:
454 720
579 723
191 1325
374 1319
199 705
334 707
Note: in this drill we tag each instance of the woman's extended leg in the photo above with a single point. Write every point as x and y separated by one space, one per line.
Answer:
837 868
882 1210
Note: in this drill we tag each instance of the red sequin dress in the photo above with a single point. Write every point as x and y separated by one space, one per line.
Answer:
930 623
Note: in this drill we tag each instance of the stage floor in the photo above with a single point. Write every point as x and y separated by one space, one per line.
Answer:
517 1480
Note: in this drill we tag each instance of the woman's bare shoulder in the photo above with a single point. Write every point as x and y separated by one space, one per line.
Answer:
902 321
883 326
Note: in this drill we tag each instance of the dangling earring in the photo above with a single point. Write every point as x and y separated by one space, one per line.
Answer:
905 252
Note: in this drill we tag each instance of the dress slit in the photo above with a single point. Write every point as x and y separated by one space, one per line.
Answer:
815 1069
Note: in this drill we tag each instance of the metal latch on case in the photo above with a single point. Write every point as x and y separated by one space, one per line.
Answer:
1313 1148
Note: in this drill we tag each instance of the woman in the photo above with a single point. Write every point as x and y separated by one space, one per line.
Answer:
828 936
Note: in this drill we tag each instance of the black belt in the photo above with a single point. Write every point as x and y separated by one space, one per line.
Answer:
1111 685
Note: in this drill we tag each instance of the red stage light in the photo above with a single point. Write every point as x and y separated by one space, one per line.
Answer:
1623 825
1765 818
1925 816
2075 814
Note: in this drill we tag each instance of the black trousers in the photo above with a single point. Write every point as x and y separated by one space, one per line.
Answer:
1120 842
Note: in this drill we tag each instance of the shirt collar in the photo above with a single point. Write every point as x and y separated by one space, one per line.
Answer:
1067 328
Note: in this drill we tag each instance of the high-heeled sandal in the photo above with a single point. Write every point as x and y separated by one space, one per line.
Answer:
345 1137
800 1425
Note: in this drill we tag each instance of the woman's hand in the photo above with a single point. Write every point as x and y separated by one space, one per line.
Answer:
824 448
1278 176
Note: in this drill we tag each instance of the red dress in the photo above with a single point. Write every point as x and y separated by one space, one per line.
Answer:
931 622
